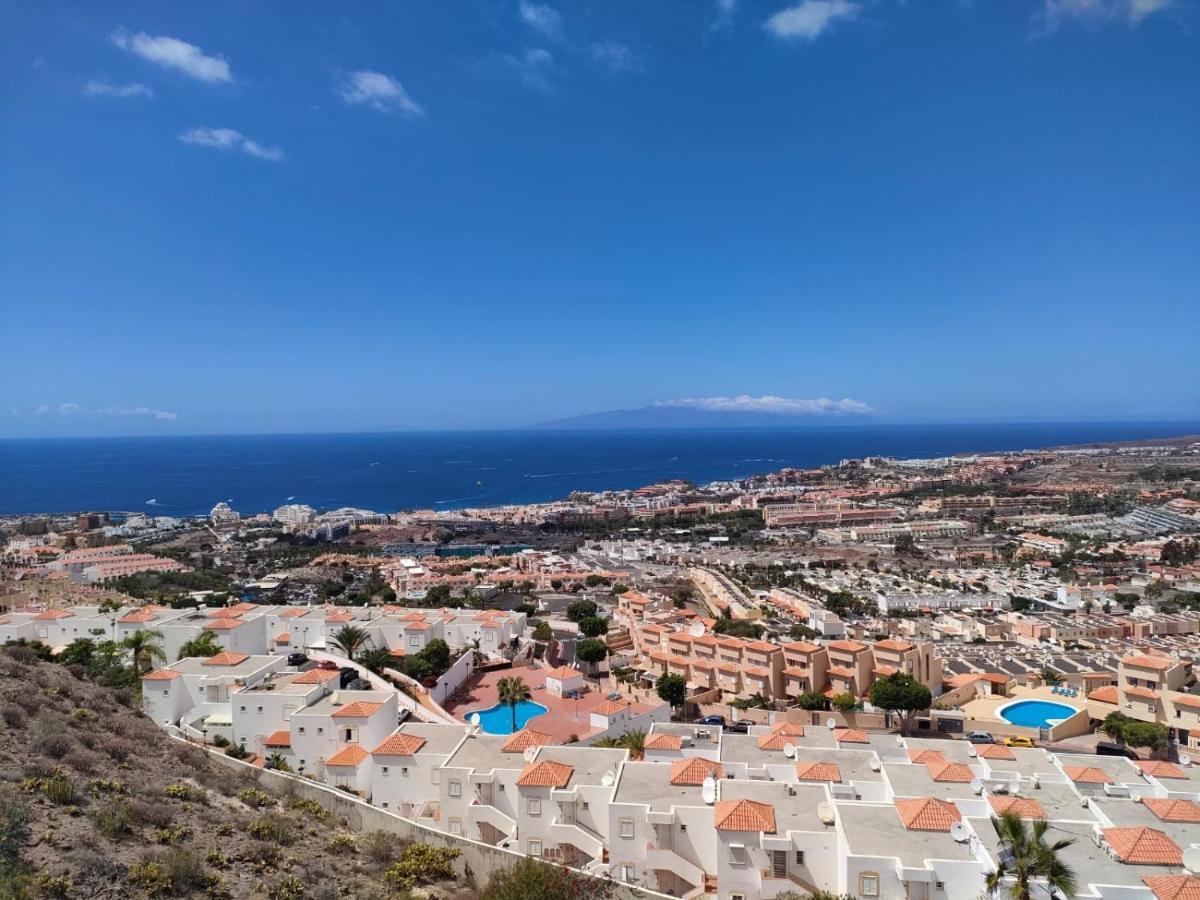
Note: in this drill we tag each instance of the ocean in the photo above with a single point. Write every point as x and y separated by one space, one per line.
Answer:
181 476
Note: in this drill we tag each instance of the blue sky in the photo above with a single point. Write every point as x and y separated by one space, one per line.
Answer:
258 217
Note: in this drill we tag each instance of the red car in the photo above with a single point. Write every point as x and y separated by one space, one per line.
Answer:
328 664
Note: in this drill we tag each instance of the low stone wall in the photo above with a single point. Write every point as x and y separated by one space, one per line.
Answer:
478 862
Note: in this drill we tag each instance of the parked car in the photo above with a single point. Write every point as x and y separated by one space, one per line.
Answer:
980 737
1108 748
738 727
357 684
349 674
1018 741
328 665
297 659
403 715
711 720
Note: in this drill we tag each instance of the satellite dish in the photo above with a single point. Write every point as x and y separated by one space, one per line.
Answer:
474 718
960 832
697 629
1184 759
789 750
530 753
831 724
875 767
1015 789
1135 796
825 813
976 785
708 790
609 778
971 750
1191 860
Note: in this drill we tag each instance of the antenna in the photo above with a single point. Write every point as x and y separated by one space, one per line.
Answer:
609 778
960 832
831 724
530 753
789 750
1191 860
826 813
708 790
697 629
976 785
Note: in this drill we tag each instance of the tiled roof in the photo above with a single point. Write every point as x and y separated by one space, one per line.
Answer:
1143 846
1173 810
850 736
1106 694
562 673
224 624
927 814
51 614
359 709
278 739
284 637
1025 807
949 771
161 675
400 744
664 742
846 646
350 755
1160 768
316 676
1157 663
1190 700
1173 887
692 770
898 646
924 757
1141 693
610 707
744 815
994 751
524 739
1087 775
545 773
226 659
818 771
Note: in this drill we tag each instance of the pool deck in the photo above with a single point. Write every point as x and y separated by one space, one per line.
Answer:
562 718
985 707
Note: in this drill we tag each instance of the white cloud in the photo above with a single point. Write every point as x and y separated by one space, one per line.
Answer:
808 20
540 17
99 87
1055 12
726 10
74 409
378 91
175 54
534 67
787 406
614 57
229 139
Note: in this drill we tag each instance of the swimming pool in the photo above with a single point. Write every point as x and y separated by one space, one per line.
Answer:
499 718
1035 713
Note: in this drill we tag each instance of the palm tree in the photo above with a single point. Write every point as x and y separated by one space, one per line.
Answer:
203 644
610 742
376 659
278 762
1050 677
350 639
477 656
513 691
635 742
1026 856
145 649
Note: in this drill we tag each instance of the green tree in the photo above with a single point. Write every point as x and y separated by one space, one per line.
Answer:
532 879
145 650
1114 726
844 702
79 652
203 644
1028 857
635 742
593 626
811 700
1050 677
511 692
437 652
376 659
543 634
672 689
277 762
350 639
581 609
901 693
592 651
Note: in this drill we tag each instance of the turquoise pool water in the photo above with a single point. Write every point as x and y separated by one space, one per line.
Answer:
499 718
1036 713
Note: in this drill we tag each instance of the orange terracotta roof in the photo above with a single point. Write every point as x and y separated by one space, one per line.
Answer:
226 659
284 637
418 626
818 771
1143 846
846 646
842 671
802 647
927 814
885 671
1087 775
1141 693
400 744
850 736
359 709
316 676
278 739
524 739
924 757
1157 663
994 751
545 773
52 614
562 673
1173 887
744 815
1106 694
950 772
161 675
898 646
776 740
610 707
225 624
1160 769
1189 700
1025 807
350 755
692 770
1173 810
664 742
791 729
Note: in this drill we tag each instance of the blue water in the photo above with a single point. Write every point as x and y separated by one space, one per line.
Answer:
386 472
498 719
1036 713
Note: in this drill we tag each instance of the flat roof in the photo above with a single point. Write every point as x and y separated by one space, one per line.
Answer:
914 780
482 751
590 763
195 665
792 813
438 738
327 707
1126 813
650 784
875 829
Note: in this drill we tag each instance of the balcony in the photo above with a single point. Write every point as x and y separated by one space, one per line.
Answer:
577 836
670 861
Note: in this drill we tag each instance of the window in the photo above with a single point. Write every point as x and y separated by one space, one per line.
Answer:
260 709
626 828
456 789
414 641
868 884
627 873
242 709
383 770
799 857
302 729
737 897
737 854
535 847
534 807
455 826
779 864
682 827
585 806
939 885
349 734
320 731
404 771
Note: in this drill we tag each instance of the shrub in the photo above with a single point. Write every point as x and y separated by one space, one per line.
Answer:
57 787
273 828
14 826
14 716
180 791
99 787
380 847
217 859
53 885
172 835
531 879
185 868
151 877
311 808
421 864
254 798
114 818
83 714
219 740
237 751
289 887
341 843
56 745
